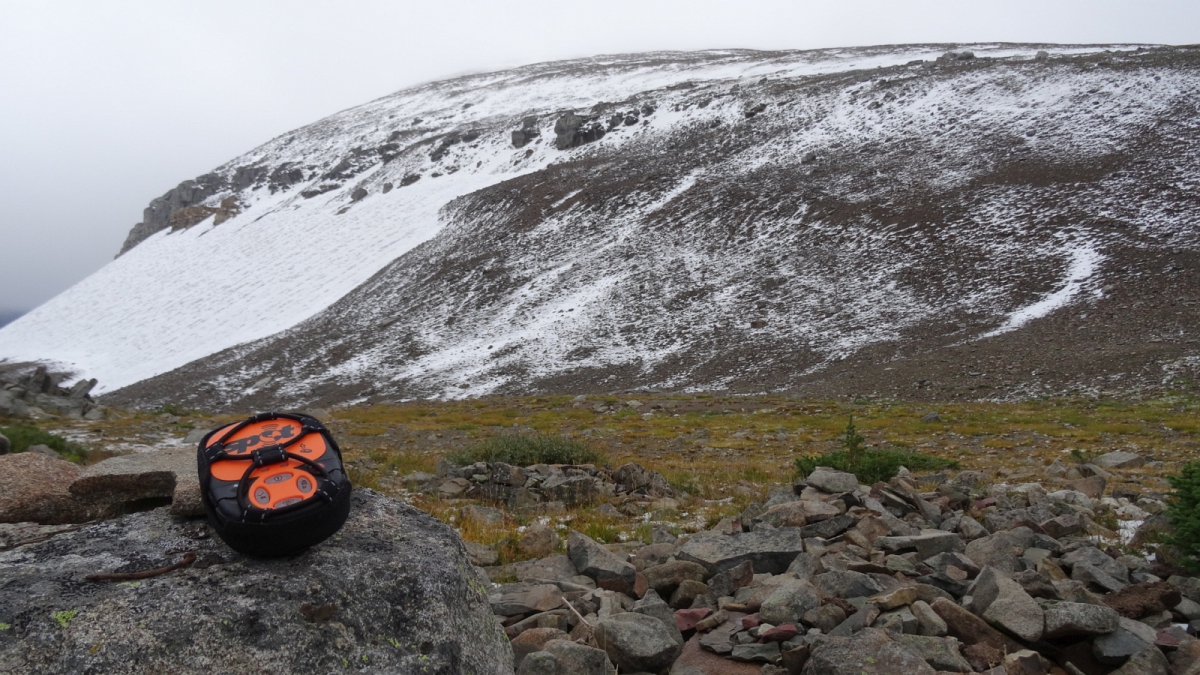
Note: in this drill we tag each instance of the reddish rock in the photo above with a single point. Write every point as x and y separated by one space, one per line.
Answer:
686 619
781 633
1165 640
981 504
982 656
640 586
1138 600
750 621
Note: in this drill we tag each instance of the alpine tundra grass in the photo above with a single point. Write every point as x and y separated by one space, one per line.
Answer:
722 452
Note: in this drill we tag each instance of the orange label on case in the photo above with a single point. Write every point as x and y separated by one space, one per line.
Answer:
260 435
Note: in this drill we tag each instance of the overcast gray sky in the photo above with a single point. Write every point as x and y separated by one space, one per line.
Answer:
105 105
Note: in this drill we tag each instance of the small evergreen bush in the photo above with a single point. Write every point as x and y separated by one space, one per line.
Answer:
21 436
871 465
1183 508
527 449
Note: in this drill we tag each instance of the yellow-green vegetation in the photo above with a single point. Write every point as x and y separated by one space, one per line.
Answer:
724 452
526 450
64 617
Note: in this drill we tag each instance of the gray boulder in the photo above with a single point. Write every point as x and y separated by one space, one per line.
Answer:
1074 618
1149 661
12 405
1004 604
927 544
1130 638
636 642
1093 556
828 480
869 652
538 663
665 578
769 551
1001 550
578 659
789 602
525 598
393 591
44 450
928 622
727 582
941 653
1119 460
605 567
653 605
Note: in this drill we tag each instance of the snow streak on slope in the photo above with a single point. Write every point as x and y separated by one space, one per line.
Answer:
1084 261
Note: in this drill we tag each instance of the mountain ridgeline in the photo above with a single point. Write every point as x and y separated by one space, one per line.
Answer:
928 221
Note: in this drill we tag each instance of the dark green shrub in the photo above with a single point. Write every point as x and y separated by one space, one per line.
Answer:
527 449
1183 508
871 465
851 440
21 436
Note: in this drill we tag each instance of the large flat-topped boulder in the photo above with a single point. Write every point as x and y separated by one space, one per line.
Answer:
392 592
770 551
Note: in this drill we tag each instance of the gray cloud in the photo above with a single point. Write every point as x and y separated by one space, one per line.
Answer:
104 106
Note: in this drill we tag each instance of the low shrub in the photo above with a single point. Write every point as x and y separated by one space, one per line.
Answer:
874 465
1183 508
527 449
871 465
22 436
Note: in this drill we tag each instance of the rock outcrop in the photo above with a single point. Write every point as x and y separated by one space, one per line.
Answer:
39 393
391 592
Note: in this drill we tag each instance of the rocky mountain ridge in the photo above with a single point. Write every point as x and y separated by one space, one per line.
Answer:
993 221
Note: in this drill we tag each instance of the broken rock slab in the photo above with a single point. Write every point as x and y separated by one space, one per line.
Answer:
769 551
140 476
869 652
1002 602
608 569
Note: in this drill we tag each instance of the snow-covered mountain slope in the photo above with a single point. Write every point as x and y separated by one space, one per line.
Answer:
826 222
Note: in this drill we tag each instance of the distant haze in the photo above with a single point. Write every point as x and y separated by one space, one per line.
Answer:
108 105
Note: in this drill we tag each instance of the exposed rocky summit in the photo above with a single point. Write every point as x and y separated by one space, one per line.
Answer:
392 592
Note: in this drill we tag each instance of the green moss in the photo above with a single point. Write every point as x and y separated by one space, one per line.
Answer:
64 617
